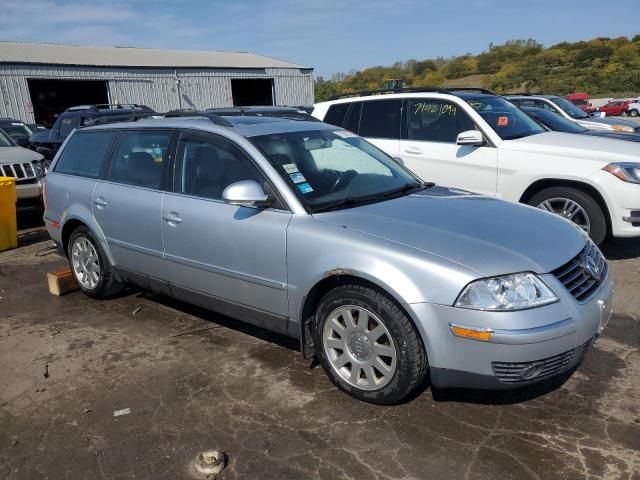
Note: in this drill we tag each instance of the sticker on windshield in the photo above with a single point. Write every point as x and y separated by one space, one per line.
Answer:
345 134
290 168
305 188
503 121
297 177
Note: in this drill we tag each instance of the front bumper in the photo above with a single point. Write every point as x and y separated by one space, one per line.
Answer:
545 341
29 197
623 201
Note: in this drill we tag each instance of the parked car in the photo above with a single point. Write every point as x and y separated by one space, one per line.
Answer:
484 143
580 100
17 130
292 113
633 109
614 108
28 170
306 229
36 127
47 142
568 110
556 123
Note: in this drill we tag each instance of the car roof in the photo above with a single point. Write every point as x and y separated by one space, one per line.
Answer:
244 126
431 94
531 95
253 109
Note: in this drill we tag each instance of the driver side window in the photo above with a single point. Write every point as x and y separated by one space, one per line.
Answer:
433 120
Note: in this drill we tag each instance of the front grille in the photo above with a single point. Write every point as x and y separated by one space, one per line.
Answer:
19 171
583 274
516 372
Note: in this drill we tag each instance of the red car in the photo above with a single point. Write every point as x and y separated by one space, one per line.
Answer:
617 107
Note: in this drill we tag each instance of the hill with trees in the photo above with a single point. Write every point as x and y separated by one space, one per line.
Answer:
602 66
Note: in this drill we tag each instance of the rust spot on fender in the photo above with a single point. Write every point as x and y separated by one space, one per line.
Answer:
337 271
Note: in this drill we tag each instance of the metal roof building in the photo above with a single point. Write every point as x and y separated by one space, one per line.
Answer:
38 81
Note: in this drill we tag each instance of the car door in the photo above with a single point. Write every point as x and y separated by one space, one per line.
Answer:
127 203
235 256
429 147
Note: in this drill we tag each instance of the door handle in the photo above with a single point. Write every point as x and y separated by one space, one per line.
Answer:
100 202
412 150
172 218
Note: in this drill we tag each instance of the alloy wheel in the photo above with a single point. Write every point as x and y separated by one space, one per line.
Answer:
359 347
569 209
85 262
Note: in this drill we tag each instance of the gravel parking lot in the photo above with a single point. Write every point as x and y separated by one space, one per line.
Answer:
194 381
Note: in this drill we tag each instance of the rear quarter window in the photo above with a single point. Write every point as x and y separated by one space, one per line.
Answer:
85 154
336 114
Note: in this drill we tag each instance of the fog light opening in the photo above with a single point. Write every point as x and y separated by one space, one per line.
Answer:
532 371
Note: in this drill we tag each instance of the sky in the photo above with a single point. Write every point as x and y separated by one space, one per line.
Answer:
329 35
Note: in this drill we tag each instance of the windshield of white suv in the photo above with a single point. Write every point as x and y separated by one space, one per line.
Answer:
5 141
507 120
331 170
569 108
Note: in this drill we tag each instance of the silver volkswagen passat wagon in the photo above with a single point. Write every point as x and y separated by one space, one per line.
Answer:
308 230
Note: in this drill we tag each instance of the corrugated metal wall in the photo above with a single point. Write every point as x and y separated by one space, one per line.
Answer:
199 88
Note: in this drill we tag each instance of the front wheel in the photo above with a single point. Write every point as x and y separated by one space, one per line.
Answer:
368 346
634 112
574 205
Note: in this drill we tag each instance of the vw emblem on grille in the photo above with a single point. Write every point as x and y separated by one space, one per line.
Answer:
590 267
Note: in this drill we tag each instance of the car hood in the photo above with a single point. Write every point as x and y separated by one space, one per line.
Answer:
604 150
606 123
18 154
484 234
629 137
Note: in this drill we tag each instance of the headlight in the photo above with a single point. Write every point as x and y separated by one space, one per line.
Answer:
627 172
38 168
509 292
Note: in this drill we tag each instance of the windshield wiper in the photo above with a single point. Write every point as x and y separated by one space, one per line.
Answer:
345 202
407 187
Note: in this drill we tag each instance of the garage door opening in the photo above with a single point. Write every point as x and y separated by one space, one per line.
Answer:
255 91
51 97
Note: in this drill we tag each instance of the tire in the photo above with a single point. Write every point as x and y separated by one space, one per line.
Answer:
634 113
556 196
91 269
406 367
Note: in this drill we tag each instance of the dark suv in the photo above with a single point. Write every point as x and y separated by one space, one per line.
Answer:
47 142
17 130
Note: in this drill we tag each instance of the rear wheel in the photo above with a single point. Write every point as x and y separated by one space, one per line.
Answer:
368 346
89 265
634 112
574 205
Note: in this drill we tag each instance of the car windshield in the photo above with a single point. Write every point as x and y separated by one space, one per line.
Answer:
5 140
507 120
16 129
554 122
335 169
569 108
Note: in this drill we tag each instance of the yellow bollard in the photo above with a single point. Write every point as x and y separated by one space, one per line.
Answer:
8 226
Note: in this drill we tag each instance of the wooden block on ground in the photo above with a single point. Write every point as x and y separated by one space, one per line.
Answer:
61 281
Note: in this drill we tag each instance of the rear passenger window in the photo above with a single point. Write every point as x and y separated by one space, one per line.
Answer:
139 158
353 120
205 166
381 119
336 114
85 154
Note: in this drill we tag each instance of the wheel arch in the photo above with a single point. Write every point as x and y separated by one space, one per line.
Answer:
587 188
311 301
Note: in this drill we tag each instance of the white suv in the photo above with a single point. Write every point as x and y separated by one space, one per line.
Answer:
484 143
633 109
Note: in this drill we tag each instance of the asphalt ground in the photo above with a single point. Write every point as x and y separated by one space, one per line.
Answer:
193 380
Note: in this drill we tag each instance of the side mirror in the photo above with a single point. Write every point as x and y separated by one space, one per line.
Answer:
470 137
22 141
246 193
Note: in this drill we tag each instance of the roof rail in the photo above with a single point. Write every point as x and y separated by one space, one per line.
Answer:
471 90
109 106
524 94
215 119
126 117
387 91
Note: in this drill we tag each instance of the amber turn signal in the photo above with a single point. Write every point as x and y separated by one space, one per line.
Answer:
473 334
